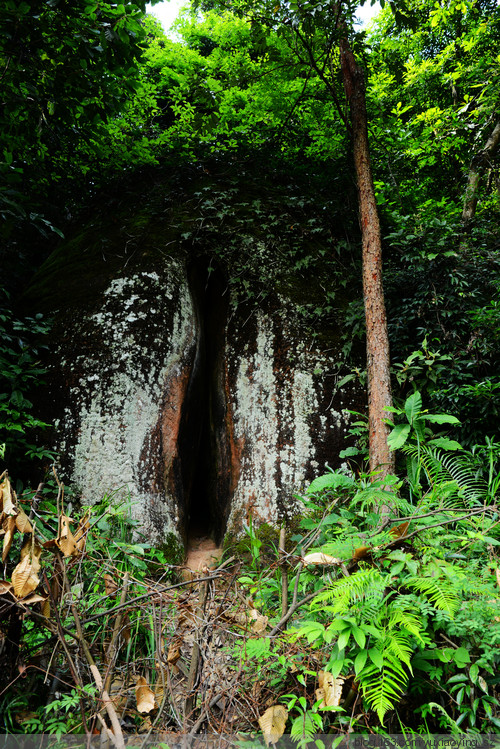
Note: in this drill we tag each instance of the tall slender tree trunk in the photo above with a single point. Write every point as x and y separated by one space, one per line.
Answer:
377 340
479 163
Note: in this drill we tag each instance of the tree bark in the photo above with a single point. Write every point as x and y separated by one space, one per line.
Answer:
377 340
479 163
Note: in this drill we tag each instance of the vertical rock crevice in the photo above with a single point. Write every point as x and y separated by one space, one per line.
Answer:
204 442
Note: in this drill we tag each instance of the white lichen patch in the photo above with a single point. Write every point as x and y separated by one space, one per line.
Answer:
280 416
117 403
256 421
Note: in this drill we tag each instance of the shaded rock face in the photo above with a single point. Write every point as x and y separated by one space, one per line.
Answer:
195 409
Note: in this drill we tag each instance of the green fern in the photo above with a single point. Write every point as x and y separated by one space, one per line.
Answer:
342 593
382 687
402 617
304 728
398 644
438 591
372 497
444 470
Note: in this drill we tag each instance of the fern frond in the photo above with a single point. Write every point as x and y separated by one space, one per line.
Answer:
303 729
398 644
445 469
406 620
342 593
373 497
372 603
383 687
438 591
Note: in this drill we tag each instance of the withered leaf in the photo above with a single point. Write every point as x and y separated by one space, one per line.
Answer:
5 587
110 585
272 723
81 533
159 691
9 526
260 623
23 523
46 609
319 558
24 576
359 553
34 598
399 531
8 498
65 539
174 651
330 689
144 696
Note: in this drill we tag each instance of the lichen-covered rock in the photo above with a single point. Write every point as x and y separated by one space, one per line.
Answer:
175 394
287 420
126 371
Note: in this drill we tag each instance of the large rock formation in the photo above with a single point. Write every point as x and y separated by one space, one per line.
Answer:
180 386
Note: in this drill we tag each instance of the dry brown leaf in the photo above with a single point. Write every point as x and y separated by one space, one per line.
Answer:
144 696
330 689
260 624
110 585
238 617
46 609
8 498
24 716
126 629
272 723
23 524
65 539
34 598
5 587
360 553
319 558
159 689
24 577
81 533
174 651
399 531
9 526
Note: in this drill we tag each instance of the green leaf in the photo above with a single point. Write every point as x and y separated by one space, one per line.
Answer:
398 436
359 636
329 481
413 406
360 660
349 452
376 657
343 639
445 444
461 657
474 673
441 419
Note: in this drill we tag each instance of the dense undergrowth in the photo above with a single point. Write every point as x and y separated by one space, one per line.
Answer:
377 611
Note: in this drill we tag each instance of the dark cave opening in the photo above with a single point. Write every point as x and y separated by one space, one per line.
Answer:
202 438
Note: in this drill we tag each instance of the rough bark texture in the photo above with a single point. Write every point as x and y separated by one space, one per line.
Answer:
479 164
377 341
